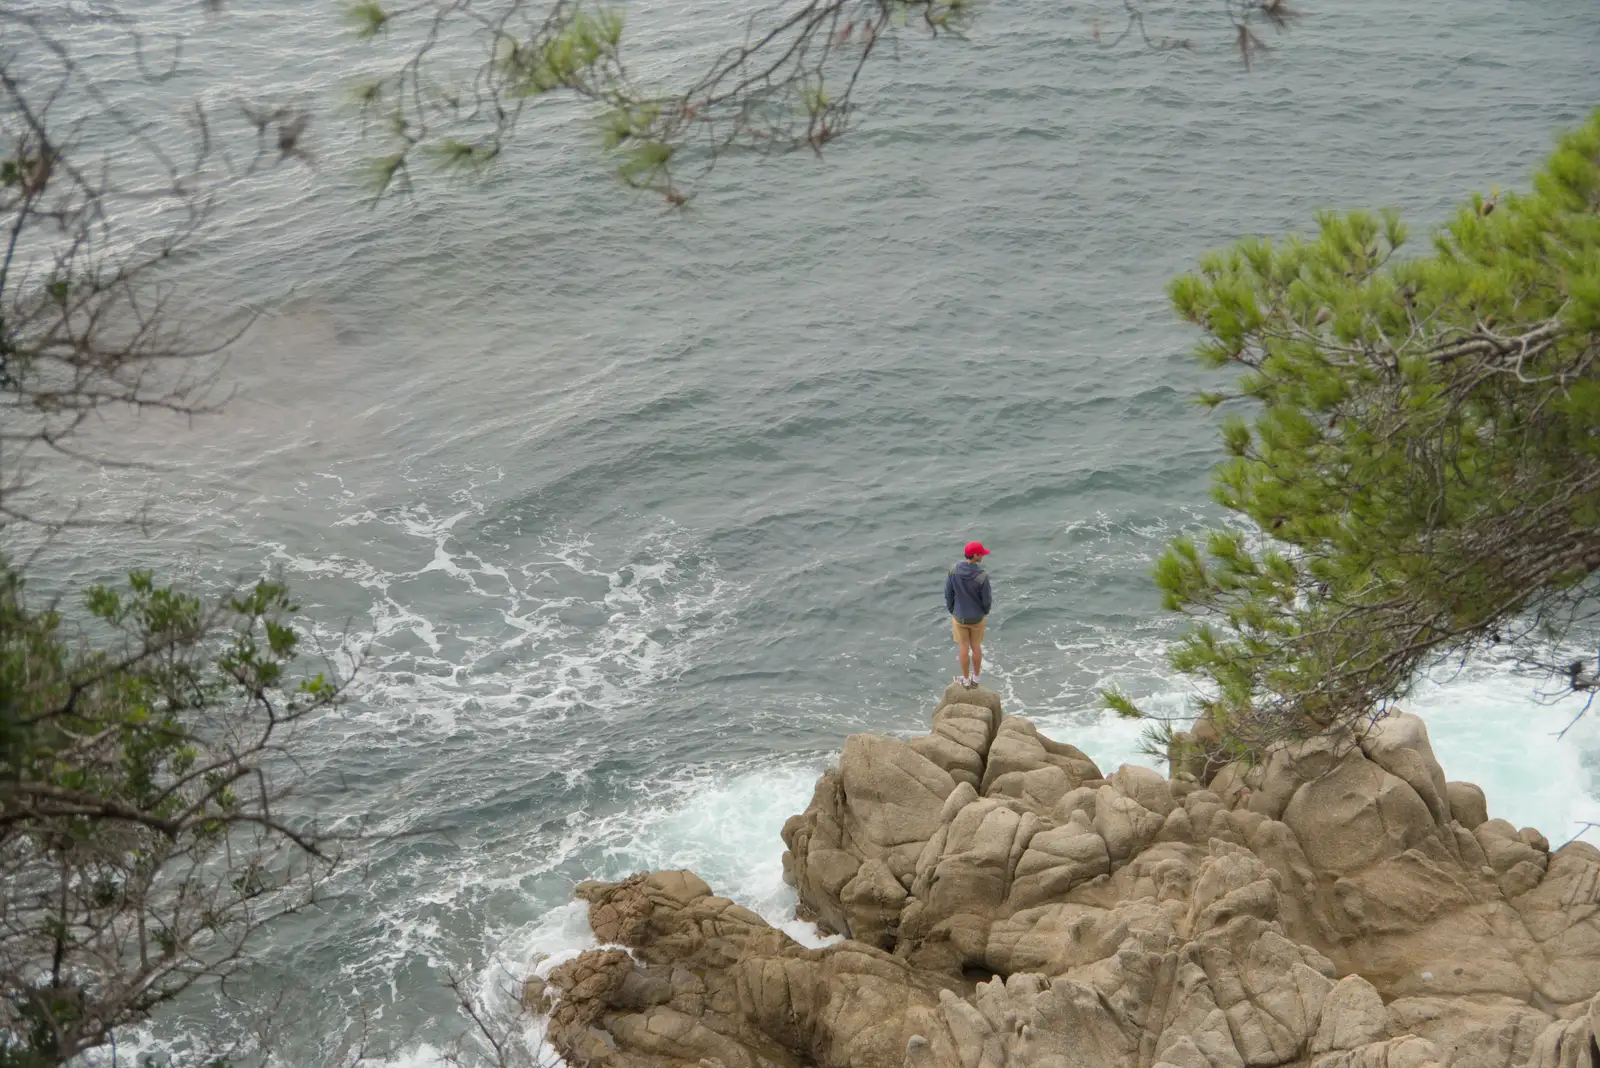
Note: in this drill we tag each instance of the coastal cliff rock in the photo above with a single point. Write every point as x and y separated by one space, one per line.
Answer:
1006 904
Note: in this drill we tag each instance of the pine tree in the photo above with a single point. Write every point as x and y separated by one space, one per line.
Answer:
1416 465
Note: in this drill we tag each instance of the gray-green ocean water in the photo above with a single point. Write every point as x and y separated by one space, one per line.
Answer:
638 514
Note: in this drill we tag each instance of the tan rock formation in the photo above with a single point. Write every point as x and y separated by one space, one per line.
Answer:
1338 905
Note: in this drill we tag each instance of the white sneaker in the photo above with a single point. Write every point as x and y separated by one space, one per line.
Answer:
975 683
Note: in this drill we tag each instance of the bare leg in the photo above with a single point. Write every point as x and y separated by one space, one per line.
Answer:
977 659
964 654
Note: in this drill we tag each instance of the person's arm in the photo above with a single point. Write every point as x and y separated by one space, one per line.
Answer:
950 593
986 595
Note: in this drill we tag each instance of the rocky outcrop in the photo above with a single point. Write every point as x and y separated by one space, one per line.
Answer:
1006 903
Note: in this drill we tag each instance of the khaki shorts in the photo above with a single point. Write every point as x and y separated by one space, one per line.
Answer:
967 632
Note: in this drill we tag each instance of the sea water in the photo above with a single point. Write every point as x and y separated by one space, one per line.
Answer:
631 516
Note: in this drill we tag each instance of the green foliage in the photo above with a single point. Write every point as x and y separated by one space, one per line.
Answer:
382 173
367 17
1413 454
628 123
452 155
815 99
139 840
367 94
570 57
645 163
1121 704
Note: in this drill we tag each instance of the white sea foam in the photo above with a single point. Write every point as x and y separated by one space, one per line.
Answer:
725 828
1487 727
519 656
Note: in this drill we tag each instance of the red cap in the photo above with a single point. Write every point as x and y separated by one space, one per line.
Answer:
975 548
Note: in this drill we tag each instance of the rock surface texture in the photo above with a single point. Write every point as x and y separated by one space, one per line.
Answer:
1006 903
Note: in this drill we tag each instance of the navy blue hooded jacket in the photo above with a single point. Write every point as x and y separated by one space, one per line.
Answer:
966 592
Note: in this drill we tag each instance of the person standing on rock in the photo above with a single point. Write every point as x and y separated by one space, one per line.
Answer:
967 598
